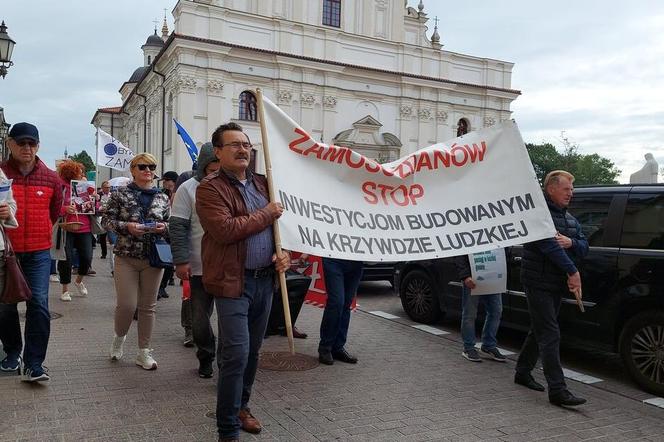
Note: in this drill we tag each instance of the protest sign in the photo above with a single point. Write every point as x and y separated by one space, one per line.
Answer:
489 272
470 194
83 196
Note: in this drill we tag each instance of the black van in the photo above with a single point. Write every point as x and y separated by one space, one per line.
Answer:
623 281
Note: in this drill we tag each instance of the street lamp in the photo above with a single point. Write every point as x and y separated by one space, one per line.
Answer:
6 48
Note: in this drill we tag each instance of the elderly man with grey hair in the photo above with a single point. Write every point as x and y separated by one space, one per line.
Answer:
548 271
186 234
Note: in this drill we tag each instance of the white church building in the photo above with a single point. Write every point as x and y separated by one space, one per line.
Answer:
359 73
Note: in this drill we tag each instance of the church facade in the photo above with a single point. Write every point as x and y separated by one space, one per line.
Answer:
359 73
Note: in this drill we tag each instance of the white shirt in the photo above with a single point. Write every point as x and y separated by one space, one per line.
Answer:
184 206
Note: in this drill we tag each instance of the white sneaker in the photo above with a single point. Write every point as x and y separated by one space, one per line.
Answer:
66 297
144 359
116 347
54 278
81 288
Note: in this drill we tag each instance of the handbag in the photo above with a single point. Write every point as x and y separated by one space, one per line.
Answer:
71 226
16 287
159 252
95 226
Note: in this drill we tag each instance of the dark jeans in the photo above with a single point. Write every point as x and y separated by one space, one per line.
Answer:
36 267
543 339
101 238
168 274
82 243
342 278
242 323
201 305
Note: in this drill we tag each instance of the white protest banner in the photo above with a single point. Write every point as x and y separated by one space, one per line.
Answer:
489 272
470 194
111 153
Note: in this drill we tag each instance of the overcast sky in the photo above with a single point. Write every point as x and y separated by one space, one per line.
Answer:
591 68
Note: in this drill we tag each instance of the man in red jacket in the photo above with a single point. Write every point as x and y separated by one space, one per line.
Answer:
38 194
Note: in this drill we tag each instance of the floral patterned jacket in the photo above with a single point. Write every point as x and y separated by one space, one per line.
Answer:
124 207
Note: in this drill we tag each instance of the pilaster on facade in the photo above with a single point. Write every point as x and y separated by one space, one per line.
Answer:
405 112
307 99
215 87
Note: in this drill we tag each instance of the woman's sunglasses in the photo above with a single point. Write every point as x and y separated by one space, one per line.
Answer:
152 167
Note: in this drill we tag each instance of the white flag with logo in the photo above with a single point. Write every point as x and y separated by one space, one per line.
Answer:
112 153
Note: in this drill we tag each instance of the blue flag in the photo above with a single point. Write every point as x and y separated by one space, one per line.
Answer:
191 146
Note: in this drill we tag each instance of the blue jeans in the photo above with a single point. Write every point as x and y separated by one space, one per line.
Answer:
36 268
242 324
342 278
493 306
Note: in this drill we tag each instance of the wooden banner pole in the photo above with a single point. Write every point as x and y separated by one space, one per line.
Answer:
275 228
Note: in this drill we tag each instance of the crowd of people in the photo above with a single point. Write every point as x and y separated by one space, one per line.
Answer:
218 221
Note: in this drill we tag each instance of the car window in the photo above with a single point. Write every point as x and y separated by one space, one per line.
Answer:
592 212
643 227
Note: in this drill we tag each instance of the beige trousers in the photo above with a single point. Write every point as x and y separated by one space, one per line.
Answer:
136 285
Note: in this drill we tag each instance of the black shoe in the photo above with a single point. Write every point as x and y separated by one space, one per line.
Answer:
205 369
162 294
343 356
566 399
527 380
325 358
102 257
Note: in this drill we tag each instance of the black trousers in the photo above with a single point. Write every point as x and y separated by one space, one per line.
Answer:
101 239
82 242
543 339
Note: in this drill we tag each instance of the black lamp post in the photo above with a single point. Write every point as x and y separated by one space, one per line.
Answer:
6 48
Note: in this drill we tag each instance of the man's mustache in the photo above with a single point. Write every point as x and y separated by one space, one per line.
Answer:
241 156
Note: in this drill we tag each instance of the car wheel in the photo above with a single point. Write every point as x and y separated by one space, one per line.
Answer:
642 350
418 297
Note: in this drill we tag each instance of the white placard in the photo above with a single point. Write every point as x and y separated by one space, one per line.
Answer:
489 271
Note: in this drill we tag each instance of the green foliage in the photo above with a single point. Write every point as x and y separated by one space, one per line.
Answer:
84 159
587 169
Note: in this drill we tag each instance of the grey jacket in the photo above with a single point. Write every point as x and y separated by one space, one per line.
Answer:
180 227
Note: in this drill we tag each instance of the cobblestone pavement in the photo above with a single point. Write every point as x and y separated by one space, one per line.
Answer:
408 386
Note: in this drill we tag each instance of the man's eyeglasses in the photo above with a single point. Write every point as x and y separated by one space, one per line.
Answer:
152 167
238 145
27 143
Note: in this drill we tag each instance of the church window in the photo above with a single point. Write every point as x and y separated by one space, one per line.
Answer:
462 127
332 13
248 106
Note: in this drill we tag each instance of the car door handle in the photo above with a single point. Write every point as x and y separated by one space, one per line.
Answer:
516 258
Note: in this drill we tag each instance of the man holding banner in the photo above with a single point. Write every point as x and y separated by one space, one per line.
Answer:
239 264
548 271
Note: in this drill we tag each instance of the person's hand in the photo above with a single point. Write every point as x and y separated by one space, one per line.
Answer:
183 271
160 228
274 209
4 211
563 241
282 262
135 229
469 283
71 209
574 282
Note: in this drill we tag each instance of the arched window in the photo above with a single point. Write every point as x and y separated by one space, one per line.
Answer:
332 13
248 107
462 127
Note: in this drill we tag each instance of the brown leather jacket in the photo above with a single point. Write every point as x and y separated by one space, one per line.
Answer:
227 225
